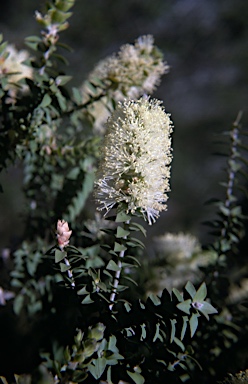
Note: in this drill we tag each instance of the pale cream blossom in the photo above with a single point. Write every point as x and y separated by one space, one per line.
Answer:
177 246
238 292
132 72
12 64
178 258
136 157
63 233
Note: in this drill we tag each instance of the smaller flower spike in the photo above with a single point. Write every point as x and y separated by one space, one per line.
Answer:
12 64
136 156
63 233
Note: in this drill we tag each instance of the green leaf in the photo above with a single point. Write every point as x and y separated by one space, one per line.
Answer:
201 293
157 333
136 377
130 279
77 95
185 306
193 322
178 295
134 259
135 242
207 309
34 307
73 174
45 101
18 304
112 266
224 210
190 289
97 367
62 101
179 343
64 267
62 80
127 306
138 227
236 211
119 247
33 39
184 328
122 233
173 329
122 217
143 332
109 380
82 291
112 344
107 273
59 255
155 299
87 300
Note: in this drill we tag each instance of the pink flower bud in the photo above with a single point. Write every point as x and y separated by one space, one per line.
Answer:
63 233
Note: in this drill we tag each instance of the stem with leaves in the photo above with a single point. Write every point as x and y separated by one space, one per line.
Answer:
116 279
233 169
124 239
69 273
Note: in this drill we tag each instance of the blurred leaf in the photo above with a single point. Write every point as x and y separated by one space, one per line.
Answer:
18 304
45 101
130 279
77 95
73 174
62 80
136 377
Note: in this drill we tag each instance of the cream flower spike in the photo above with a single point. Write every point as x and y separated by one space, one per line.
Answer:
135 165
11 61
132 72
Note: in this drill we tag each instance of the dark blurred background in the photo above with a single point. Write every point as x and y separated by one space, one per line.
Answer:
205 44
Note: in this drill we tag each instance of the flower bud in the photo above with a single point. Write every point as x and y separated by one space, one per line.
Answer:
63 233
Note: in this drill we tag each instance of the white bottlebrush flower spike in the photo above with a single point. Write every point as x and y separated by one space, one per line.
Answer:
136 157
